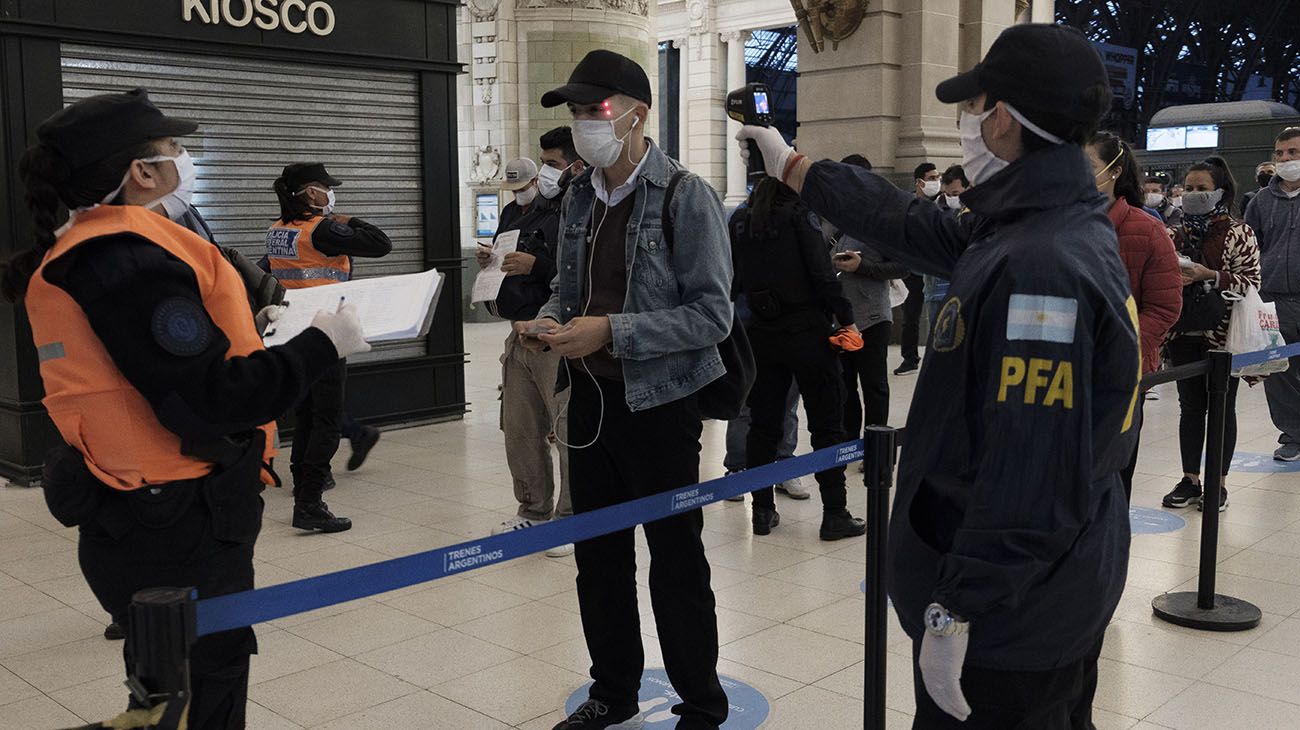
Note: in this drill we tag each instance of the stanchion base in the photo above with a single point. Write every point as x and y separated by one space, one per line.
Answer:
1228 614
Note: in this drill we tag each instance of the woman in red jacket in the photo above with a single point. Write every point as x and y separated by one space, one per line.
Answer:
1146 249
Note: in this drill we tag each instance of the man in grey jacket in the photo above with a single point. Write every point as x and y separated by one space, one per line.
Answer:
1274 213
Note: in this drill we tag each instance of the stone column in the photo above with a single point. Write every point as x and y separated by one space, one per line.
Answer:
736 174
928 127
981 22
1043 11
683 101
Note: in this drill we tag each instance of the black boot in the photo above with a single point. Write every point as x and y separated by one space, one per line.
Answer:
361 447
765 520
840 524
328 483
317 516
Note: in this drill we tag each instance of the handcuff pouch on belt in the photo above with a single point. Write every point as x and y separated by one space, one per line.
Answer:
72 494
766 304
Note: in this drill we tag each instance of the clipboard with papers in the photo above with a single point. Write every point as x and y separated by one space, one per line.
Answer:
391 308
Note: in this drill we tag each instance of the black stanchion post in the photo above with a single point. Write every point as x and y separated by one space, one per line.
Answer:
162 629
1205 609
878 465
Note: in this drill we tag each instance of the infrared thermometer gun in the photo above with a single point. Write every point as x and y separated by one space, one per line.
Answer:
751 104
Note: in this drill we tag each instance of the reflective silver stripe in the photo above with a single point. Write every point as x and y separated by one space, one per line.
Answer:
52 351
301 274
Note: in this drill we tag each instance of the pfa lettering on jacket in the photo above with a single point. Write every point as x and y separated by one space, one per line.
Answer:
1037 381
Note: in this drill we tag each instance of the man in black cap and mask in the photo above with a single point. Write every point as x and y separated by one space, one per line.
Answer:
1009 542
641 298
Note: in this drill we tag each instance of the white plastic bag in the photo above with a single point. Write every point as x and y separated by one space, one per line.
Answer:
897 293
1252 328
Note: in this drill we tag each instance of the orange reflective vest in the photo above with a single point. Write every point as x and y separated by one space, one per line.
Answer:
296 262
94 406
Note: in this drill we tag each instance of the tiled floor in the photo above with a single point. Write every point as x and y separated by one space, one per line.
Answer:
502 647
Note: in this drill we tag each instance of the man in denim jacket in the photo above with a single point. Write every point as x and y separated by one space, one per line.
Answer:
638 320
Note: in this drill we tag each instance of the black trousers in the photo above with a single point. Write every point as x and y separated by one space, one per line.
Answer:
804 356
910 336
638 454
1126 474
316 433
140 540
1057 699
1194 404
869 369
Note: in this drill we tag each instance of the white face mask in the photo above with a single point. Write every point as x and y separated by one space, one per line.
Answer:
526 196
1176 202
1153 200
596 141
330 201
1289 170
1201 202
930 188
978 160
177 202
953 201
548 181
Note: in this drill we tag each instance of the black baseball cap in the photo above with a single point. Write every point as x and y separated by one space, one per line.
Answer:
300 174
598 76
1047 72
97 127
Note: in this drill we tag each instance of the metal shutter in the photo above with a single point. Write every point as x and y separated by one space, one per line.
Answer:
256 116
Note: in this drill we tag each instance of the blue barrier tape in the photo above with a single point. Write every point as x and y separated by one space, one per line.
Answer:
1247 359
236 610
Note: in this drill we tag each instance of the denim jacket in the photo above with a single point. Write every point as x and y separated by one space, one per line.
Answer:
678 303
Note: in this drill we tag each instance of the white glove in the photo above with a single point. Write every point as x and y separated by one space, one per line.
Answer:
266 315
940 662
343 327
776 153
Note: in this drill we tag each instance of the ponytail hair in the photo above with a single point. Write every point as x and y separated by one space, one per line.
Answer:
293 207
1127 184
51 184
768 193
1223 179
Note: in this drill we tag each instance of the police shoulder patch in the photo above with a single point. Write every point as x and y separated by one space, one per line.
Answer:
181 327
341 229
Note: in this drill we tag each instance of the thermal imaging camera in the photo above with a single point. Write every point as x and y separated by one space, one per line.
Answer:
751 104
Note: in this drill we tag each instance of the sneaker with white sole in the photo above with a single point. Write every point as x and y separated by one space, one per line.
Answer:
560 551
1287 452
793 488
1223 501
596 715
516 523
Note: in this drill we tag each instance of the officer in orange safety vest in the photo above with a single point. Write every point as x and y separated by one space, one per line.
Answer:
154 375
311 245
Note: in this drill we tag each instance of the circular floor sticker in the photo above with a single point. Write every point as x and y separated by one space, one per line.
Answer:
1146 521
749 707
1262 463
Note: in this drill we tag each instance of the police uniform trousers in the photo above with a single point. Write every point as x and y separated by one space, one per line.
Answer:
316 433
142 539
1057 699
795 348
638 454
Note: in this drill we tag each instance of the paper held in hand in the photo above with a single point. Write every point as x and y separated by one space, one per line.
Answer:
488 282
391 307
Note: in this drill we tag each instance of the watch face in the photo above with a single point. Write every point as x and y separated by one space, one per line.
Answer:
935 619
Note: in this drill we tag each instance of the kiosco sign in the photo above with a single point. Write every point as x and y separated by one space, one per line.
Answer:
295 16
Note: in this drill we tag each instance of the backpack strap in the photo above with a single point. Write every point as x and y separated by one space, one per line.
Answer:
665 217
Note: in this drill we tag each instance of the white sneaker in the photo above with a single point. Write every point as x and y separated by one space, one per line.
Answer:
793 488
516 523
560 551
1153 395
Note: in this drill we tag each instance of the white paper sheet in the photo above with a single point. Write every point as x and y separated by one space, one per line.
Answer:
390 307
488 282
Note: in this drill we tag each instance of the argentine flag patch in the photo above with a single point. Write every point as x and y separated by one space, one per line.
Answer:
1042 318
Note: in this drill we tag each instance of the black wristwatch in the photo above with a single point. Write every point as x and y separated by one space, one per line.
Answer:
940 622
